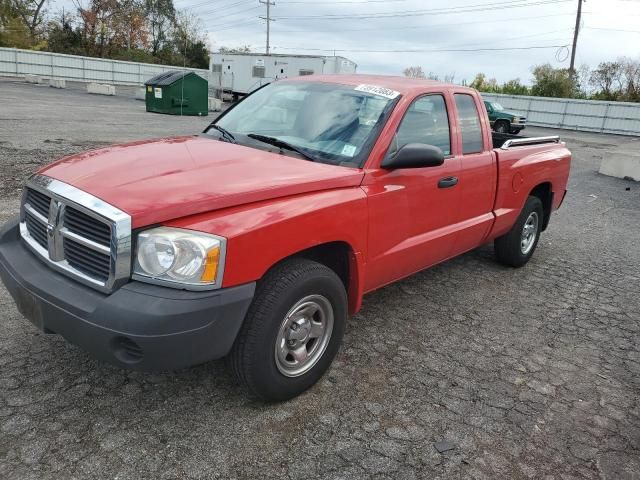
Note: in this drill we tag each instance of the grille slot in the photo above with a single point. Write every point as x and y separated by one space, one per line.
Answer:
86 226
37 230
86 260
39 202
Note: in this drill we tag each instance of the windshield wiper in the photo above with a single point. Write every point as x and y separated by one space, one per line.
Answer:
225 133
276 142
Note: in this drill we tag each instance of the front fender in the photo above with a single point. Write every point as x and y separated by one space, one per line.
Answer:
261 234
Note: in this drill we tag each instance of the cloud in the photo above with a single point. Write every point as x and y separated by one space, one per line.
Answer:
497 25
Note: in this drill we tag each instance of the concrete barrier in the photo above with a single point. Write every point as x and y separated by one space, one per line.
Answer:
57 83
33 78
627 166
215 104
101 89
140 94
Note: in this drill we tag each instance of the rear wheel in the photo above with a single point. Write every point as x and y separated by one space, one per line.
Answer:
502 126
292 331
516 247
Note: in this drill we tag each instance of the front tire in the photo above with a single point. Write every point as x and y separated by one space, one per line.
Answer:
502 126
516 247
292 330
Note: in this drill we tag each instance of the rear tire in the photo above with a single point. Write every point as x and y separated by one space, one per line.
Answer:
502 126
276 355
516 247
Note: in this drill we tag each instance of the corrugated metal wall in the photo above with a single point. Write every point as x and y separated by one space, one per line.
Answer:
586 115
16 62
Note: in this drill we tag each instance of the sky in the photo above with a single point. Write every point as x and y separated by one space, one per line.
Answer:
379 35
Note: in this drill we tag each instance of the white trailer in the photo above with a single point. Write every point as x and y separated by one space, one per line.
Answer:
241 73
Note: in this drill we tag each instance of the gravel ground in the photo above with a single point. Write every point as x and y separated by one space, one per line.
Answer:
467 370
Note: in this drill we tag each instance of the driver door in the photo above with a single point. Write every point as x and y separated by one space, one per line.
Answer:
412 211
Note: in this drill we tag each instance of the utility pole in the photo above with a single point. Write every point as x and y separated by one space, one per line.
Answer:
572 69
268 18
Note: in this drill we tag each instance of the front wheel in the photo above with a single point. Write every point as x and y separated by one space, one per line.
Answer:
515 131
516 247
292 331
502 126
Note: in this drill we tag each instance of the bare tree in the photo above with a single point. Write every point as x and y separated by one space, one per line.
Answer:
32 13
414 72
243 49
607 79
631 78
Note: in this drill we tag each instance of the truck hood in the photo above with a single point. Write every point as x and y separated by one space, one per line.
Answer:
511 113
159 180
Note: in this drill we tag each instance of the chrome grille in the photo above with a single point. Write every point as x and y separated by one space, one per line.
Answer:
76 233
38 230
38 201
86 260
86 226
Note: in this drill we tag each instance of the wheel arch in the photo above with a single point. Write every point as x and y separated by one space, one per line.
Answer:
342 258
544 191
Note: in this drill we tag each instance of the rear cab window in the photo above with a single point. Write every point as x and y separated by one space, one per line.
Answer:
469 121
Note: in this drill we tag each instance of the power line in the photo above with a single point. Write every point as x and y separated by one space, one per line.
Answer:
208 11
612 29
334 2
498 49
234 24
421 12
226 15
425 27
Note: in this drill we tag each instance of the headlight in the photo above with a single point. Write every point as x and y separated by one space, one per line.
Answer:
180 258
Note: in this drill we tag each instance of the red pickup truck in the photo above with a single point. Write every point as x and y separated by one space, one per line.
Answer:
255 239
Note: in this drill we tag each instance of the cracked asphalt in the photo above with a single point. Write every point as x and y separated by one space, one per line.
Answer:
466 370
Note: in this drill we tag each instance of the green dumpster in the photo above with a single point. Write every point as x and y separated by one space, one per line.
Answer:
177 93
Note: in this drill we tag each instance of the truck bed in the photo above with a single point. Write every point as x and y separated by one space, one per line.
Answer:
500 140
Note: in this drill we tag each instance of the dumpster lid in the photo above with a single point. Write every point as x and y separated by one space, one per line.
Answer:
167 78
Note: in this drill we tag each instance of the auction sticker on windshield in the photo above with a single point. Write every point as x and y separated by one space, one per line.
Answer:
380 91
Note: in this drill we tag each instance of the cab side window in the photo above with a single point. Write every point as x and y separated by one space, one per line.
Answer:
426 121
470 128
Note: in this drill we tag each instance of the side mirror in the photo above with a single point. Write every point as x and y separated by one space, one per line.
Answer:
414 155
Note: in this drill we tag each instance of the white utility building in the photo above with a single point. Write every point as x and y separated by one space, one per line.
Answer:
242 73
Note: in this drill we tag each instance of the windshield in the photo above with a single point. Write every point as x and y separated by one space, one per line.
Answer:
497 106
325 122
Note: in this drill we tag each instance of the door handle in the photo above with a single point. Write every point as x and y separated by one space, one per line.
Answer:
447 182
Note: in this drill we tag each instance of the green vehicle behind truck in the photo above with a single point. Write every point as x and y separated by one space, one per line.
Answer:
503 121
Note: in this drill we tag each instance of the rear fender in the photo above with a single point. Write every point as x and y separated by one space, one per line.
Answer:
520 171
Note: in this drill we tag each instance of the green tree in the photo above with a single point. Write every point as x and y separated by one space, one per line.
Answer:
161 19
62 38
553 82
481 84
514 87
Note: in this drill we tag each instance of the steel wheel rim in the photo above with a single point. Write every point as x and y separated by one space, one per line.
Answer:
529 233
304 335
